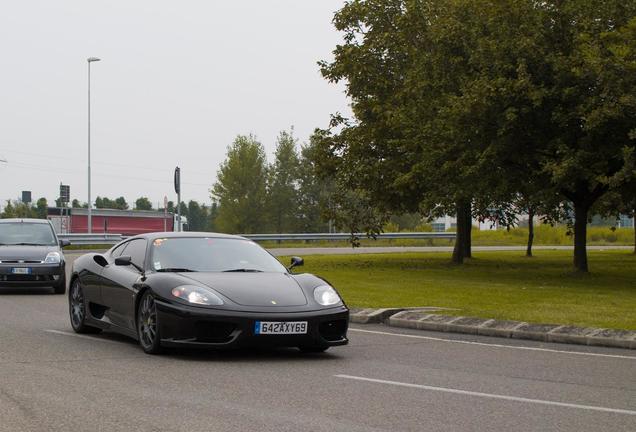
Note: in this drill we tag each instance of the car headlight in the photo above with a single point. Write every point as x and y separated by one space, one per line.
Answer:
326 296
53 258
196 295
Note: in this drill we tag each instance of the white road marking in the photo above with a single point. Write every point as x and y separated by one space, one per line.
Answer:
63 333
493 345
490 395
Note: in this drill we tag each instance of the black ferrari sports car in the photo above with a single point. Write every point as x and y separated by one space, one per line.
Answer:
203 290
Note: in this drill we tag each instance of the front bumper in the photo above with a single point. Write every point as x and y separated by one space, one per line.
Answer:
182 325
41 275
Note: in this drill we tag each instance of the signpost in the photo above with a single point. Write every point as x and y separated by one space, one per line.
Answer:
165 213
26 197
177 189
65 193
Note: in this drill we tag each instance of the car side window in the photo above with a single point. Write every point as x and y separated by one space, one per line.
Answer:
119 250
137 251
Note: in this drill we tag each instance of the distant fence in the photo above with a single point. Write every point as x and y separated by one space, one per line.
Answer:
88 239
347 236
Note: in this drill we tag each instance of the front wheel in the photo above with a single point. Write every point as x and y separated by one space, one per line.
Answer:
77 309
148 325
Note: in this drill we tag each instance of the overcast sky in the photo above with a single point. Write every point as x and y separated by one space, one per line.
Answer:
177 82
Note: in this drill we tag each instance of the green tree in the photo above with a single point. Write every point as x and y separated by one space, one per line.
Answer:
315 192
143 203
450 98
213 213
9 210
240 189
41 208
283 183
197 216
121 204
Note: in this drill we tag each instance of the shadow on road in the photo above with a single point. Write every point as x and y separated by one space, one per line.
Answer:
246 355
25 291
249 355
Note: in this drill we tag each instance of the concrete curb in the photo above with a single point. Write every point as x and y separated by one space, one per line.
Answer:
376 316
423 319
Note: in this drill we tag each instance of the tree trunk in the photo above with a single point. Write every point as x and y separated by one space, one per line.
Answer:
530 231
580 237
458 250
468 226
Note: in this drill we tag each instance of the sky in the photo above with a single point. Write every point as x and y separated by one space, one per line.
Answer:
176 83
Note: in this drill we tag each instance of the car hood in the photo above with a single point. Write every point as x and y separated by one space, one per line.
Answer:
254 289
25 253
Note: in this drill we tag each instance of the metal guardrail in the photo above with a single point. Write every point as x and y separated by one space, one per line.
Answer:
84 239
347 236
87 239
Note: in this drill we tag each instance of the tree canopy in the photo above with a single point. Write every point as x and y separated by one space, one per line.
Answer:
461 105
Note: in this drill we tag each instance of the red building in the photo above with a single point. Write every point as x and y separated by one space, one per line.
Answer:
110 221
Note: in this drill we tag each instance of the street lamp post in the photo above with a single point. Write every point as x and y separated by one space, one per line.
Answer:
90 205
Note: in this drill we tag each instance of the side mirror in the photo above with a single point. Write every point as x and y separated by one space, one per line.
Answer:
64 243
123 260
296 262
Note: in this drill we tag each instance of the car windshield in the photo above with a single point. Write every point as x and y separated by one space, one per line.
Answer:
211 254
16 233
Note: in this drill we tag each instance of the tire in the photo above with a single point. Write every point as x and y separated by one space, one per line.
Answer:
148 325
77 309
60 287
313 349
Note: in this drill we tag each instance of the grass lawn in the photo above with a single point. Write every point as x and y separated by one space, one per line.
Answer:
503 285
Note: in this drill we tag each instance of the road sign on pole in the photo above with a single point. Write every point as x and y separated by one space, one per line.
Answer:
177 189
65 193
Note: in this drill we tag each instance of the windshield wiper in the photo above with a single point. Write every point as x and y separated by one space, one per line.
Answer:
175 270
244 270
28 244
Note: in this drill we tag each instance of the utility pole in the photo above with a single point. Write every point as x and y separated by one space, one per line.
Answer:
90 205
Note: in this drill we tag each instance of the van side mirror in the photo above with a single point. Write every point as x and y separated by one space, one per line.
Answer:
64 243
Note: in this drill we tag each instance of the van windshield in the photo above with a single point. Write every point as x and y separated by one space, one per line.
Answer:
26 233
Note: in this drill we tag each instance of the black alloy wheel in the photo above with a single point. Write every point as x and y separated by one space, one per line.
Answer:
77 309
147 325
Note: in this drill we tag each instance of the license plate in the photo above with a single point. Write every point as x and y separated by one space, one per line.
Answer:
21 270
280 327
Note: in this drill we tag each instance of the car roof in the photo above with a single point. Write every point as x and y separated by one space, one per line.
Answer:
186 234
24 220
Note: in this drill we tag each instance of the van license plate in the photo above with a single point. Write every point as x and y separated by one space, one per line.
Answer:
21 270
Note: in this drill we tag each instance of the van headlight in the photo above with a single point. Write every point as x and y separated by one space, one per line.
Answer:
53 258
326 296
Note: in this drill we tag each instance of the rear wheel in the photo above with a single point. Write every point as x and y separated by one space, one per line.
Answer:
148 325
77 309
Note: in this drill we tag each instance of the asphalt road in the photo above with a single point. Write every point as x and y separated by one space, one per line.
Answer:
385 380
